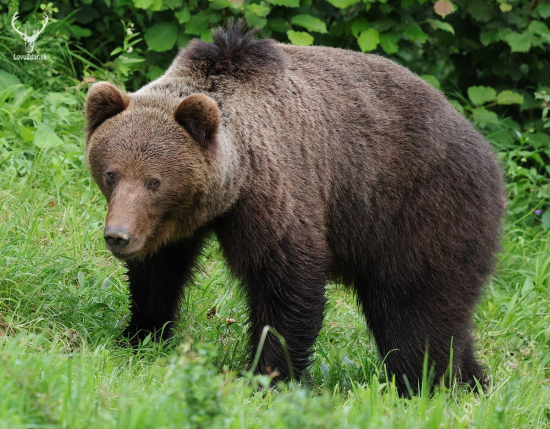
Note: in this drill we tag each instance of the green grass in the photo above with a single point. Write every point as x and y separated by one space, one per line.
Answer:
63 302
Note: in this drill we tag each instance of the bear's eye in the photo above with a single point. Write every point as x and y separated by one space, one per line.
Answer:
110 178
153 183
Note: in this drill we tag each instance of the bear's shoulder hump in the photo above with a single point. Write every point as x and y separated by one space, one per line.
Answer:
235 53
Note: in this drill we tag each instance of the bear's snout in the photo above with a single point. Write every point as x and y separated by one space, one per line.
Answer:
117 238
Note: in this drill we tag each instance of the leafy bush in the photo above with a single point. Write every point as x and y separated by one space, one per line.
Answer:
490 56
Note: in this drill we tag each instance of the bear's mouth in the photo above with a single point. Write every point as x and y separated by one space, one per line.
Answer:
124 256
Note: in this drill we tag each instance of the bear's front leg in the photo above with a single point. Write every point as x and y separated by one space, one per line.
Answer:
156 285
286 290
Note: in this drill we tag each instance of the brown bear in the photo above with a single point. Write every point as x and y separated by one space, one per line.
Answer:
308 164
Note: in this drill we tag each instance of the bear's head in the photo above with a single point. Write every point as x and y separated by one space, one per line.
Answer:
152 158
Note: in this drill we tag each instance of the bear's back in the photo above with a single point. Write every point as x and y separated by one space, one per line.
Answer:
329 130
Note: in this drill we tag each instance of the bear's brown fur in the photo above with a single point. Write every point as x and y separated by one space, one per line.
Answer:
308 163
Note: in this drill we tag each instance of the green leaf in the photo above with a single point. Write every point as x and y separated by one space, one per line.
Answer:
382 25
183 15
482 116
528 286
490 36
432 80
505 7
388 42
80 31
171 4
279 25
414 33
358 26
161 36
519 42
254 20
45 138
457 106
183 39
481 94
148 4
154 72
368 40
517 20
143 4
544 10
540 140
197 25
26 134
7 80
228 3
287 3
440 25
342 4
206 36
481 11
258 9
58 98
509 97
300 38
537 27
310 23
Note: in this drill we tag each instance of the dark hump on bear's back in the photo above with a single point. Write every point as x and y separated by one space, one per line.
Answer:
234 53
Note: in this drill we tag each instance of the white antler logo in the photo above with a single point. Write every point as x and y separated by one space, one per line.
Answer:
29 40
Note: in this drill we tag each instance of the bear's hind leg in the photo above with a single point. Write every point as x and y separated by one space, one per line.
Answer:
407 326
156 285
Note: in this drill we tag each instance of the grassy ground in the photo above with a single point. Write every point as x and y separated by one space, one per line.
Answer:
63 301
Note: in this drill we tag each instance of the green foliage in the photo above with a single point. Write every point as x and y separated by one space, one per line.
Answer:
492 57
300 38
309 23
481 94
368 40
162 36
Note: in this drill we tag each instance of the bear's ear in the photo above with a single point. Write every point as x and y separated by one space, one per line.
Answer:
103 102
200 116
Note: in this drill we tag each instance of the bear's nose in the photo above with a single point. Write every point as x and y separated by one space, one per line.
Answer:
117 237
